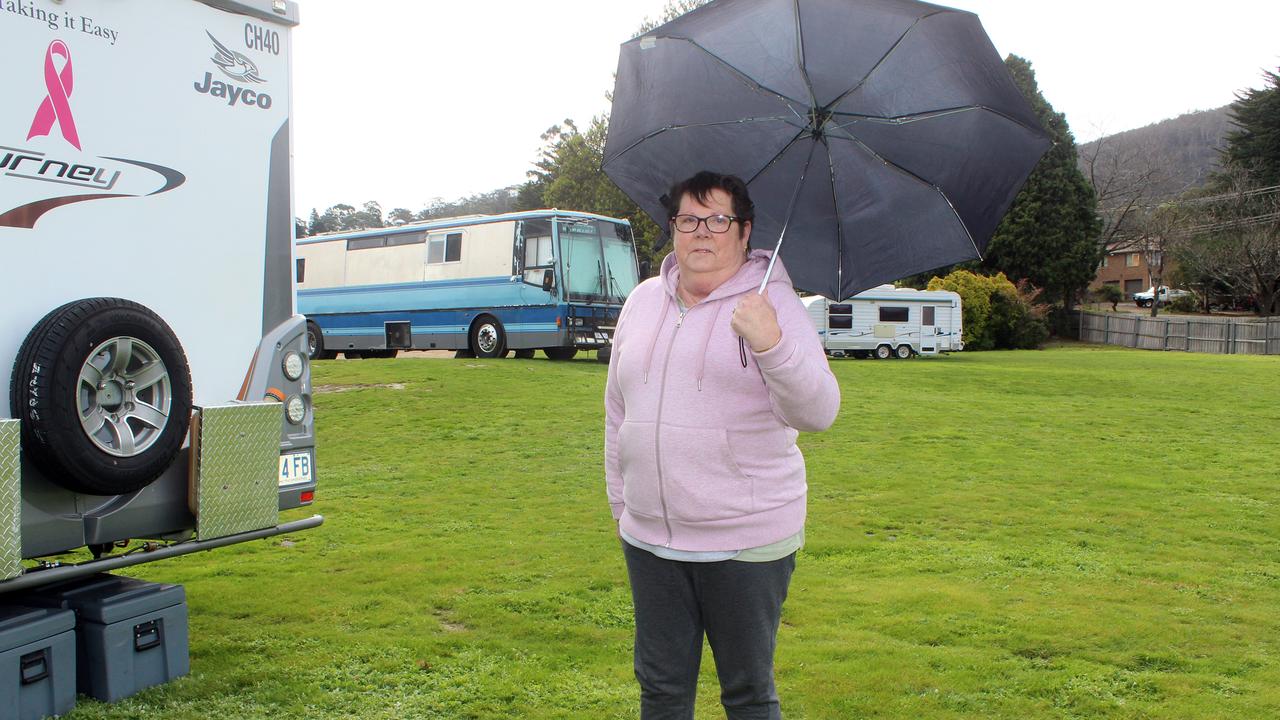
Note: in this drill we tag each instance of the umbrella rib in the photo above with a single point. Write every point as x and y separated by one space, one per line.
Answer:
835 202
800 57
930 115
884 57
799 136
659 131
908 173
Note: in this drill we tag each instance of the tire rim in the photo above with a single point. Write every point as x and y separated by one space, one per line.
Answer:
123 396
312 343
487 338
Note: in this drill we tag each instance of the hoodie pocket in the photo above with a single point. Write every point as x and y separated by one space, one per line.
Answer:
701 478
637 460
773 462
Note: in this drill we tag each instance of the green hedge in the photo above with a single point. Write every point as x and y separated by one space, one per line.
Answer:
997 314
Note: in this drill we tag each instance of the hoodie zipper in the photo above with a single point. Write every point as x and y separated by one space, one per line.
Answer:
657 438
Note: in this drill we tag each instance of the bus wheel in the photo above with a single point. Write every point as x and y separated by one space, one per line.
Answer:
315 344
560 353
883 352
488 339
525 354
903 352
103 390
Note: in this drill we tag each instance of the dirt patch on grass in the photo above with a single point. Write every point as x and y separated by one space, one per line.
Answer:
359 386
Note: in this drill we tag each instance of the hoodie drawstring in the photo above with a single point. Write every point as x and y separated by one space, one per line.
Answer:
706 342
662 319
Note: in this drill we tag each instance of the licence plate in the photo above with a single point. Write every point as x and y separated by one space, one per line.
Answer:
295 468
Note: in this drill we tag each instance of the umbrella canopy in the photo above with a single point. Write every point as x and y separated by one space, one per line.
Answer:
885 136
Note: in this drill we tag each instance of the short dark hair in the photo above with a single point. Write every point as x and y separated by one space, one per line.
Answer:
701 185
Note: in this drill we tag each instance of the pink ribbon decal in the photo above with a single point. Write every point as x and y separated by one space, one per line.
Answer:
55 107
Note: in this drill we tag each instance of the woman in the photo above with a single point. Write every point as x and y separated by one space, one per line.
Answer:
703 473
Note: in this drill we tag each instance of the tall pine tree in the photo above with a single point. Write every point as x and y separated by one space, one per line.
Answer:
1050 236
1255 145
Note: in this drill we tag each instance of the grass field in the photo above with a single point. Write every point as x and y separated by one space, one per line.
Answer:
1070 533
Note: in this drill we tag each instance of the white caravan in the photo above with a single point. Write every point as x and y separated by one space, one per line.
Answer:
156 377
886 322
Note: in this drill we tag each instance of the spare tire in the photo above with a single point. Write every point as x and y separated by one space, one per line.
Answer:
103 391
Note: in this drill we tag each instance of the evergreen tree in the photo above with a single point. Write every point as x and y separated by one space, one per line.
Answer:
319 223
1050 235
1255 145
567 175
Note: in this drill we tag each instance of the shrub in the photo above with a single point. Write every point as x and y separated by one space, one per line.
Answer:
1109 294
996 313
1185 304
1018 320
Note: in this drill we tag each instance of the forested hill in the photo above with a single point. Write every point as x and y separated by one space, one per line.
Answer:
1177 154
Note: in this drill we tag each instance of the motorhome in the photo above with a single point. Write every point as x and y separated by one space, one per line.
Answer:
157 380
553 280
887 322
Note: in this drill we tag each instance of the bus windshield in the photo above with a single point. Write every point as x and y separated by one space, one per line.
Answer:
599 260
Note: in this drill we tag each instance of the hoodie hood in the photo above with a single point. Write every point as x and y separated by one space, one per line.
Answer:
747 278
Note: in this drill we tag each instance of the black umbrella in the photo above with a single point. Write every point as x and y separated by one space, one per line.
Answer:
882 138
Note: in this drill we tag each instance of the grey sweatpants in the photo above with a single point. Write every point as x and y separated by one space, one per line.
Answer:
737 604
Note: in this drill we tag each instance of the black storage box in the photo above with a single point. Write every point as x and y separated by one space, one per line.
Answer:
130 634
37 662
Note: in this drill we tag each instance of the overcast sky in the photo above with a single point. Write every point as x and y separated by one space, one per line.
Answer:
403 101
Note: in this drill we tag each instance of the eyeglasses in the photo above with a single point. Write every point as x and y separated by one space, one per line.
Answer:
715 223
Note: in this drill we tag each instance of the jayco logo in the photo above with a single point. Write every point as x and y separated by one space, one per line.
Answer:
237 67
56 106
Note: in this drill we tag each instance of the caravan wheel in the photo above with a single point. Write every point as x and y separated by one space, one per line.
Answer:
903 352
104 394
884 352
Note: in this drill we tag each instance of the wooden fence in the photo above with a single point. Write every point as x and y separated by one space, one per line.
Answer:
1223 336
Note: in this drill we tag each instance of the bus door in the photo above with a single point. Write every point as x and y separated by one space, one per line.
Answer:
534 259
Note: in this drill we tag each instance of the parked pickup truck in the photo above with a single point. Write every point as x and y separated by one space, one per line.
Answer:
1167 295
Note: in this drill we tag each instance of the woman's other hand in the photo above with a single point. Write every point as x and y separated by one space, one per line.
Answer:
755 321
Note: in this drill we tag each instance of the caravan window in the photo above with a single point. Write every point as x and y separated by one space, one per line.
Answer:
894 314
444 248
840 316
928 315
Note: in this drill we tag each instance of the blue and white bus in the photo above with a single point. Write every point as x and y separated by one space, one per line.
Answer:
553 280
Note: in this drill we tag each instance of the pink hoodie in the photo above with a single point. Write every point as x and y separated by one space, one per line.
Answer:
700 452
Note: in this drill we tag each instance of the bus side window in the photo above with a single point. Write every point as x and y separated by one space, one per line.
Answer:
538 256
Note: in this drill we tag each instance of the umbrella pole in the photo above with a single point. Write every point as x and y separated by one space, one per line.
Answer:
786 220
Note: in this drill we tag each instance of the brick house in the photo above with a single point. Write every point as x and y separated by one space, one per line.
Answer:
1125 267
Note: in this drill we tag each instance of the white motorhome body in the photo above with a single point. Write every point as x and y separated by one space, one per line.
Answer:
146 231
886 322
